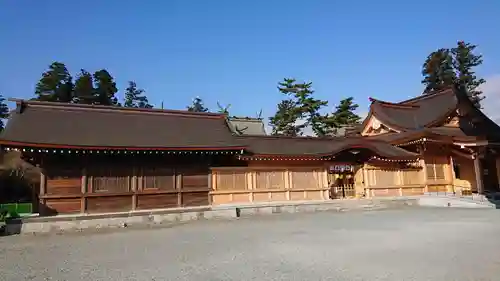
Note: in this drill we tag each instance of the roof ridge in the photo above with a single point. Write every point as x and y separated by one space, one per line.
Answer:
92 107
408 102
428 95
235 118
392 104
298 137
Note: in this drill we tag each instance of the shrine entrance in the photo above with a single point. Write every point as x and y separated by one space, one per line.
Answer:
341 181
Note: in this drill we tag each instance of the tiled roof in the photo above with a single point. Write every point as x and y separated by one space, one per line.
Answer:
101 126
96 127
275 145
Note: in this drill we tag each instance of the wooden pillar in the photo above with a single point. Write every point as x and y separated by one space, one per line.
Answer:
42 191
134 188
324 183
178 179
424 174
451 174
479 174
210 184
83 200
288 184
366 182
252 184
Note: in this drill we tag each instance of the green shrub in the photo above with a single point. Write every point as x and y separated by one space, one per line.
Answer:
3 215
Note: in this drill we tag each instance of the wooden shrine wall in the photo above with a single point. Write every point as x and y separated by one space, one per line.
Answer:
272 181
391 180
113 189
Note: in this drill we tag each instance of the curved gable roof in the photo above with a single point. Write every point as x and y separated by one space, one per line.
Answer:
421 112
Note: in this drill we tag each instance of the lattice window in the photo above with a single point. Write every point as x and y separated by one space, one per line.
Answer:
304 179
158 178
231 180
270 180
110 179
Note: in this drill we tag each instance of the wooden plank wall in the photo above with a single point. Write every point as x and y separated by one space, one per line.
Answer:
88 192
435 175
392 181
265 184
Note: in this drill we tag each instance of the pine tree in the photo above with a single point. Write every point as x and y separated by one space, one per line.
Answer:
56 84
105 88
84 91
446 67
464 63
344 115
135 97
438 70
305 107
4 112
285 119
310 109
197 106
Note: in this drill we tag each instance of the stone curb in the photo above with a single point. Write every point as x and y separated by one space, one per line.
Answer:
81 222
451 202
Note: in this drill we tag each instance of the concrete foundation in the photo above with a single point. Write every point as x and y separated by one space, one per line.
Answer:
64 223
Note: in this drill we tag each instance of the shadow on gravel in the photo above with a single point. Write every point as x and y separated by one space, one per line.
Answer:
494 198
11 227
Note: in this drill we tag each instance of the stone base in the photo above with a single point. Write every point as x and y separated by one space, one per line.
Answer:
64 223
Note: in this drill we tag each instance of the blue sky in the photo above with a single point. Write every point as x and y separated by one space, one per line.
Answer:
235 52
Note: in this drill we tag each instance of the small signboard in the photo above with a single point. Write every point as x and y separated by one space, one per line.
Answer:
341 168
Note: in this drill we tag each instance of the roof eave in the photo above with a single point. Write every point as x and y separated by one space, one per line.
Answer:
7 143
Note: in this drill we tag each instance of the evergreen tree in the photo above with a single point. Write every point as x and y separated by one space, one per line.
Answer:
284 122
305 107
56 84
344 114
84 91
4 112
438 70
328 126
310 109
446 67
135 97
197 106
105 88
464 63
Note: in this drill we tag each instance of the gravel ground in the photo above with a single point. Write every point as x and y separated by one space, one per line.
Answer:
408 244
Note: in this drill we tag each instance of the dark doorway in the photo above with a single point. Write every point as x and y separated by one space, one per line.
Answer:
341 181
489 174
